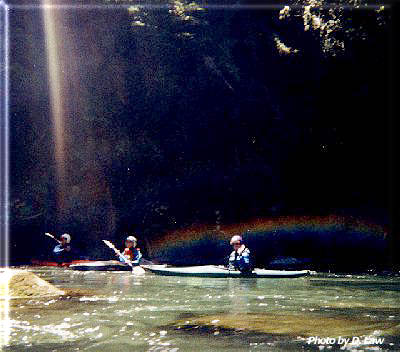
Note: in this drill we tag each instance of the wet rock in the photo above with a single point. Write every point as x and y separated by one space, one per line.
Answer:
24 284
289 324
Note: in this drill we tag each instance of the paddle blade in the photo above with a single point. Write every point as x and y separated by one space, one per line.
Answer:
109 244
50 235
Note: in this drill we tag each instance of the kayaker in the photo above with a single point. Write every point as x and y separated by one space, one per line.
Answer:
62 252
240 256
131 252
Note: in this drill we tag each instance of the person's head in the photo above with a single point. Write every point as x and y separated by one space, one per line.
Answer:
130 241
236 241
65 238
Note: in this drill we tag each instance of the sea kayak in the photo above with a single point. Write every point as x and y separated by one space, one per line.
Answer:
222 272
108 265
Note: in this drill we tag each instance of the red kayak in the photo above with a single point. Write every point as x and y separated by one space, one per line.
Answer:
49 263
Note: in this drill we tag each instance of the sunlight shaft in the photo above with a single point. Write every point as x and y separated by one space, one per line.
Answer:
56 94
4 135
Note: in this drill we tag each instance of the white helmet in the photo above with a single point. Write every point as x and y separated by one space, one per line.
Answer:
236 238
131 239
67 237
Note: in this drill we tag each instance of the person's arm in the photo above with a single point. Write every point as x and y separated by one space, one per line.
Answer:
58 249
245 262
121 259
231 261
137 256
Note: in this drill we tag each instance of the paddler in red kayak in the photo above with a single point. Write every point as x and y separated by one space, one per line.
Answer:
131 252
62 252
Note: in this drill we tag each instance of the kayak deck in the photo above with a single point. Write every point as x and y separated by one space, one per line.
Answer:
107 265
101 265
39 262
222 272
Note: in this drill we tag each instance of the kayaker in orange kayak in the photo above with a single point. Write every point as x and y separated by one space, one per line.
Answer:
62 252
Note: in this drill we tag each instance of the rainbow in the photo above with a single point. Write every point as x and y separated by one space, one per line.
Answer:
264 228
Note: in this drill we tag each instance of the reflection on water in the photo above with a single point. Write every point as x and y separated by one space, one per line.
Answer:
110 311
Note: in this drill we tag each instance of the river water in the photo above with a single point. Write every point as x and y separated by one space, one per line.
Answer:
116 311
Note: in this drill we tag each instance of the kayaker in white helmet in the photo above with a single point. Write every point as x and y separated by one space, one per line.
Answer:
62 251
240 256
131 252
66 237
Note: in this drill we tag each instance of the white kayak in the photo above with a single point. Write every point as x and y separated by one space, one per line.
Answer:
107 265
222 272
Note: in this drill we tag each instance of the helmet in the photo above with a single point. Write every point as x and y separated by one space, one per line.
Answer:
67 237
236 238
131 239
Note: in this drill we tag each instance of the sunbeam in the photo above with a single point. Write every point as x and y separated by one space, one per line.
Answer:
52 39
4 135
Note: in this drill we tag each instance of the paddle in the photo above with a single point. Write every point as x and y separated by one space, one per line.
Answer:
50 235
110 245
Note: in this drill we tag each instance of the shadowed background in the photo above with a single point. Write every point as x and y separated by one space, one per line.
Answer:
163 133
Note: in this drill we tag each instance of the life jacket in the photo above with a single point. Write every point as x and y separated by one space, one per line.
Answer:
235 258
130 252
